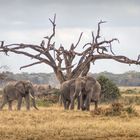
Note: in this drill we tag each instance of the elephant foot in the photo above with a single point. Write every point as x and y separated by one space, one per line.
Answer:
18 109
72 108
83 108
78 108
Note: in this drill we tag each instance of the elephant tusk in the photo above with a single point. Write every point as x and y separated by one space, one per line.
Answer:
80 93
31 96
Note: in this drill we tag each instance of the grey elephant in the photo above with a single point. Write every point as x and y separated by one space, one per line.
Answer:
67 90
17 91
89 91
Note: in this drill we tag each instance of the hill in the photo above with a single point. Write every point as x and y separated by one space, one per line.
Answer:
131 78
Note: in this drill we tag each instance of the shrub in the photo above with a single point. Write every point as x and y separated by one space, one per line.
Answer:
131 110
49 99
116 109
109 91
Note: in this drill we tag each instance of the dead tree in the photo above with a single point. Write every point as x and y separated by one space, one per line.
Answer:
62 60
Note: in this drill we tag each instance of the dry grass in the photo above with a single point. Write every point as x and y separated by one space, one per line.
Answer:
54 123
129 89
51 123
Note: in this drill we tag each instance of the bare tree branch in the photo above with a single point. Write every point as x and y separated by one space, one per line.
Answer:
98 31
62 60
78 40
39 62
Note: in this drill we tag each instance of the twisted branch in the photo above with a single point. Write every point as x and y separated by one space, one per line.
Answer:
91 51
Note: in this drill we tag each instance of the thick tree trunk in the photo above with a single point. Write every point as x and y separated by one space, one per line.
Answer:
60 76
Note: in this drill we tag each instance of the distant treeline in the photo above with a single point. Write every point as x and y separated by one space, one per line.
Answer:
131 78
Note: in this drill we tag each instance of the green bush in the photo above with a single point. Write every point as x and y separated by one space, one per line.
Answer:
109 91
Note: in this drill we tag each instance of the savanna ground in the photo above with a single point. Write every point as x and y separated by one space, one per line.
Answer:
50 123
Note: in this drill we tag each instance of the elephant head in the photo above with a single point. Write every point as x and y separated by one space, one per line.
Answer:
29 89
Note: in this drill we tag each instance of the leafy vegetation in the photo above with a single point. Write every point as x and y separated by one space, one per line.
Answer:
109 91
131 78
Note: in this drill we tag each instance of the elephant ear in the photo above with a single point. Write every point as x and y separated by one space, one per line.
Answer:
20 87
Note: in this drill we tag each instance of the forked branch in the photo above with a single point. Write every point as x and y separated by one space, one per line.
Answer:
62 59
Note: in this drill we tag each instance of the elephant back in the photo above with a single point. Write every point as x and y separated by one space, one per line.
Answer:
67 83
42 89
9 91
90 79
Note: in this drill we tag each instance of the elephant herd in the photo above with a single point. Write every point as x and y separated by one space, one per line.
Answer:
83 89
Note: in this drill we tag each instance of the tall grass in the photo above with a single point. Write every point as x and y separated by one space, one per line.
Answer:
53 123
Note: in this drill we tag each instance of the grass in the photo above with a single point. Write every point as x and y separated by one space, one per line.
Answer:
130 90
51 123
130 95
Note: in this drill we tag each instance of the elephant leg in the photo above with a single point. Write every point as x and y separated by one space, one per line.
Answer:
3 103
10 105
60 100
74 96
96 105
87 104
72 102
65 104
19 102
78 102
88 107
82 102
68 104
27 99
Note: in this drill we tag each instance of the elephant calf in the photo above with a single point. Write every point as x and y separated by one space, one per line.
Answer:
17 91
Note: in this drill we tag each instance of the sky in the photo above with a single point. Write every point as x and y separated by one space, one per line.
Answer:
26 21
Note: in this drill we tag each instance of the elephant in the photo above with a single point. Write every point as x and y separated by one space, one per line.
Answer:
89 91
42 89
17 91
67 91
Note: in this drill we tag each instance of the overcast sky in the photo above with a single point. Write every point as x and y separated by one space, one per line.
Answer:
26 21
